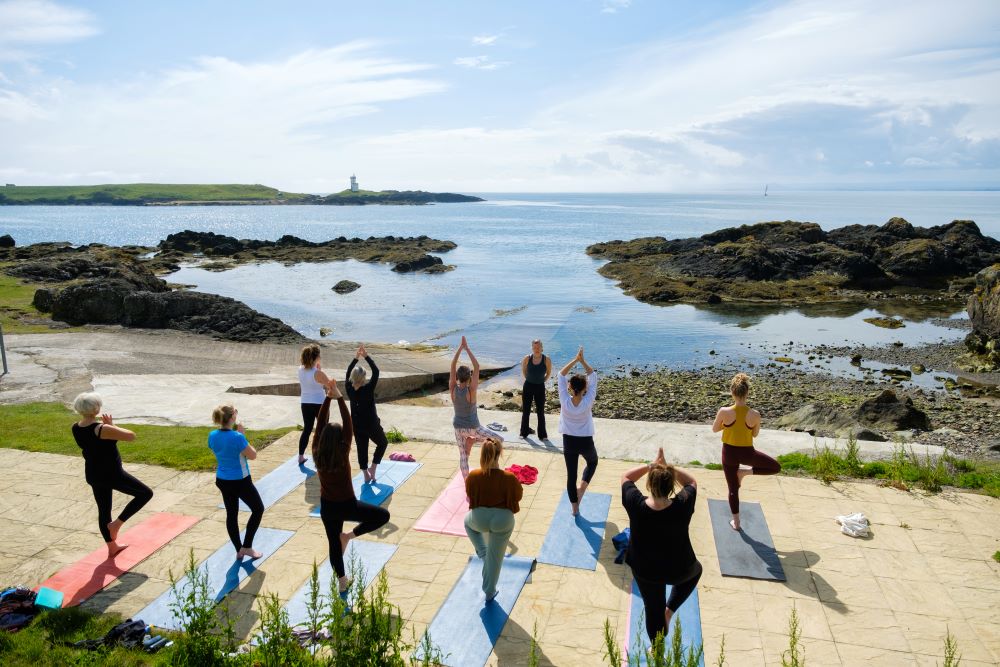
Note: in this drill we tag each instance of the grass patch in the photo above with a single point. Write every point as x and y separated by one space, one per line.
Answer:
713 466
140 193
996 556
45 427
15 307
395 436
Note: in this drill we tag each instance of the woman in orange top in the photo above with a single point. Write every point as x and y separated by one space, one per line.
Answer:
740 424
494 495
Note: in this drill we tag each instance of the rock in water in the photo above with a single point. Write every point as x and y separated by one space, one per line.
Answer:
345 287
888 411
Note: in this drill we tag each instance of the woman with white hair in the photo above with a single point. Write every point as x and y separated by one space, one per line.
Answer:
361 393
103 467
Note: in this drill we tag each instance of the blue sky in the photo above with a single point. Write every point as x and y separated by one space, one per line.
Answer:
583 95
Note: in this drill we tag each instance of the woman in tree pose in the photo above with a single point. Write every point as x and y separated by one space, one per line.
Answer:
98 439
313 383
740 424
232 477
659 548
367 426
536 369
494 495
331 450
576 423
462 385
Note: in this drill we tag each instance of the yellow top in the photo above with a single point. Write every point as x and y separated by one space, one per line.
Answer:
738 434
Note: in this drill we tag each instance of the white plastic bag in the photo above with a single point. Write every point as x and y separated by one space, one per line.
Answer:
855 525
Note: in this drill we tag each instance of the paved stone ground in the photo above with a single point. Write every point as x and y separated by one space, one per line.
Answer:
883 601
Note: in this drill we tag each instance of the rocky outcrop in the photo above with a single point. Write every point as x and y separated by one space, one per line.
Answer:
890 413
984 314
404 254
345 287
7 241
827 420
784 261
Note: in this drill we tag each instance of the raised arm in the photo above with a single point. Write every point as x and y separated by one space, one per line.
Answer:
454 369
347 428
350 367
583 362
109 431
374 379
720 420
474 382
635 474
322 419
569 365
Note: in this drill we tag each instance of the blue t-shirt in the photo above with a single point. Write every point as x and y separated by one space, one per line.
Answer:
228 447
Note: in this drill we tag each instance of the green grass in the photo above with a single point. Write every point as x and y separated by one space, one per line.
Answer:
15 305
996 556
137 193
45 427
395 436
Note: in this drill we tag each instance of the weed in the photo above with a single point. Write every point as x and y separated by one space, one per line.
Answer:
852 458
612 651
795 655
795 461
721 660
276 646
952 658
996 556
533 649
696 462
903 524
194 608
826 464
395 436
713 466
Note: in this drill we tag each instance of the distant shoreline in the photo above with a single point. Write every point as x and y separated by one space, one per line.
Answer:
160 194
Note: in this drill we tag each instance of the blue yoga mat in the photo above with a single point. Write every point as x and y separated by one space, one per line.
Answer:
276 484
389 477
371 556
466 627
225 573
748 552
689 614
575 541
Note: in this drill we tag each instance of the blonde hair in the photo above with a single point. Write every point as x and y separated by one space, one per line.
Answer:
662 480
309 355
223 414
88 404
740 385
358 376
489 453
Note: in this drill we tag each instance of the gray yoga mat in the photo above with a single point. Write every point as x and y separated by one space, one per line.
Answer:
276 484
748 552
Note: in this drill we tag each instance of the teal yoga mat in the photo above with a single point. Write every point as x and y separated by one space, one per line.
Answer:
575 541
278 483
389 477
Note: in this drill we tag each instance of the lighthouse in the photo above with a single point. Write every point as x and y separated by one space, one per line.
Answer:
354 183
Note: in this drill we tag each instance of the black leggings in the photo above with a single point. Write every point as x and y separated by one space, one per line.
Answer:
233 491
533 392
732 458
309 412
361 437
334 514
123 483
575 446
654 599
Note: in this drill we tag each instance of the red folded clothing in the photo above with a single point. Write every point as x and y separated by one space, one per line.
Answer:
524 474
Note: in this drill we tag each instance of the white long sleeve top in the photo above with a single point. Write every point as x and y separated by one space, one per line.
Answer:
577 420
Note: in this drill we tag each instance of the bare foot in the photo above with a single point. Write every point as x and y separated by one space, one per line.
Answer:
367 475
114 548
114 527
344 539
371 472
247 552
740 474
734 523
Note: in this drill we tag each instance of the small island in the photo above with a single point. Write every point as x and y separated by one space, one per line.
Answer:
167 194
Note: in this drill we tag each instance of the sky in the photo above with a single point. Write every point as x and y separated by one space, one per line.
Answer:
472 96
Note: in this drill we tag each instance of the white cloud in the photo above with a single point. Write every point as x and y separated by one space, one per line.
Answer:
26 25
613 6
485 40
480 62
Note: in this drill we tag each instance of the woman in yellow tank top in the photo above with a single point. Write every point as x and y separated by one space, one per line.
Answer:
740 424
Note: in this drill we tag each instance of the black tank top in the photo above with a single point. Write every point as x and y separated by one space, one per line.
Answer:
101 457
536 372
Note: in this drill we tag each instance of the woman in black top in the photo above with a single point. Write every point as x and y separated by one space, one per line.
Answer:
103 467
366 422
659 549
536 369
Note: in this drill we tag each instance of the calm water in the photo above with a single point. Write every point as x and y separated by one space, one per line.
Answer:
522 271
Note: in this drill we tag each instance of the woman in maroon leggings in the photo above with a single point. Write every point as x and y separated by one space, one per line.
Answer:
740 424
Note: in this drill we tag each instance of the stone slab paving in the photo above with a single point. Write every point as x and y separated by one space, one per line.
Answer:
887 600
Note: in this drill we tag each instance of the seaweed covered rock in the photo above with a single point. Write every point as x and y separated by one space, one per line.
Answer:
345 287
889 412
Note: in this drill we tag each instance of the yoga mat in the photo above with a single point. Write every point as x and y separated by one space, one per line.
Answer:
446 514
748 552
273 486
575 541
93 572
225 573
389 477
638 640
466 627
372 556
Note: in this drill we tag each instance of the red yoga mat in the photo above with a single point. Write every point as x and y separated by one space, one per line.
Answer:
447 514
95 571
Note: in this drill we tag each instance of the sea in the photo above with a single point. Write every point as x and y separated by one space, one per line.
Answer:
521 272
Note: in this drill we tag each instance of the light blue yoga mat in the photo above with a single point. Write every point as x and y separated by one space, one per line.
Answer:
749 551
466 627
575 541
276 484
225 573
371 556
389 477
689 615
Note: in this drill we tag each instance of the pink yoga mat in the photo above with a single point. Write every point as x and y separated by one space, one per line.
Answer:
95 571
447 514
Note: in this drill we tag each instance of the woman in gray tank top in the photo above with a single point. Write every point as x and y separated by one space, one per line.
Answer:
462 385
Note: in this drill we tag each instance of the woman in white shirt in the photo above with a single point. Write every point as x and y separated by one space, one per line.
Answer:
576 423
312 390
